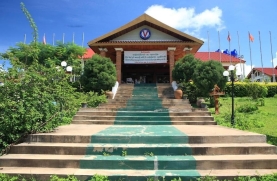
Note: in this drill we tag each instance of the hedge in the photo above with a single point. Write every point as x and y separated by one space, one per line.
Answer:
243 89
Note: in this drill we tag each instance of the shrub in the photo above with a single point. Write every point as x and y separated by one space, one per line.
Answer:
256 90
271 89
247 108
94 99
184 68
37 100
190 90
99 74
206 75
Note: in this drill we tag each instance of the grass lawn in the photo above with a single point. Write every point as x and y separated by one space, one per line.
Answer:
263 120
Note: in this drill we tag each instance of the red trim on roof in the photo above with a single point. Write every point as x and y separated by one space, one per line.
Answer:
267 71
206 56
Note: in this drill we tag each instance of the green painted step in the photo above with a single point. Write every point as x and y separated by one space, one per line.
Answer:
140 134
111 122
138 162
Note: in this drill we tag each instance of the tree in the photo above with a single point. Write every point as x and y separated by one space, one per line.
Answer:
184 68
99 74
207 74
45 54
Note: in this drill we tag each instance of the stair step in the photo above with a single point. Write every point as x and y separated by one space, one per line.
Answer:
142 149
134 175
152 113
187 162
145 118
134 122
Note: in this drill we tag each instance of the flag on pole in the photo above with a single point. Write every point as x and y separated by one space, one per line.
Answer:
252 75
251 38
44 39
229 37
229 40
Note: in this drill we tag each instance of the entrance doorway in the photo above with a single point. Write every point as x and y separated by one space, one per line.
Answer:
146 73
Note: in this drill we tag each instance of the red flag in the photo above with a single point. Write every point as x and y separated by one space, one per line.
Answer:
251 38
229 37
44 40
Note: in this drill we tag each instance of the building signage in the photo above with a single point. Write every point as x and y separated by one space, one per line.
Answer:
145 34
145 57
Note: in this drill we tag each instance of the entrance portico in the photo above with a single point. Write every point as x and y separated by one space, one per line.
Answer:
145 49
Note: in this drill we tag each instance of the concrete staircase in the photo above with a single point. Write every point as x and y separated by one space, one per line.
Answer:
142 133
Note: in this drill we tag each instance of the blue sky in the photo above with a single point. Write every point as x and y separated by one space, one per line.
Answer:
199 18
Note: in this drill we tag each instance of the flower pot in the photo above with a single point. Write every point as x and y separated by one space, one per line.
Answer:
200 101
109 94
84 105
178 94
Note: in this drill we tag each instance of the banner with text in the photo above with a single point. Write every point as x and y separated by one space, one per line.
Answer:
148 57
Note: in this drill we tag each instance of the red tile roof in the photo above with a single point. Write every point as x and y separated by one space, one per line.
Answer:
88 54
267 71
204 56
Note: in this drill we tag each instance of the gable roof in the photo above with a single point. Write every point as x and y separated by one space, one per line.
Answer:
267 71
206 56
149 21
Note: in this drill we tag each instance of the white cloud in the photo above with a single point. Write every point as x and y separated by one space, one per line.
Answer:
186 19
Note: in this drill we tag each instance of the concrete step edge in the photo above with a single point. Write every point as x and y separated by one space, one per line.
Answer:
88 172
137 145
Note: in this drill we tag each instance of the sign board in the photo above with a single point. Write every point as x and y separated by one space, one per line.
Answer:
145 57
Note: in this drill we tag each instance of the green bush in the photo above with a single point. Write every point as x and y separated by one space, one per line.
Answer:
190 90
184 68
240 89
37 99
99 74
95 99
242 122
247 108
256 90
271 89
208 74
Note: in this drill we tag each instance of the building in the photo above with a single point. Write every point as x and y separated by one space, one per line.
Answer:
263 74
146 49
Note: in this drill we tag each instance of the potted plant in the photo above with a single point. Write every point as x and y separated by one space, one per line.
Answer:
178 93
84 100
109 94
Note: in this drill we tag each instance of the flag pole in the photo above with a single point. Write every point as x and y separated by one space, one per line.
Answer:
209 45
242 76
83 39
229 39
53 39
83 63
261 55
250 57
24 39
273 74
63 38
219 46
73 38
44 39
